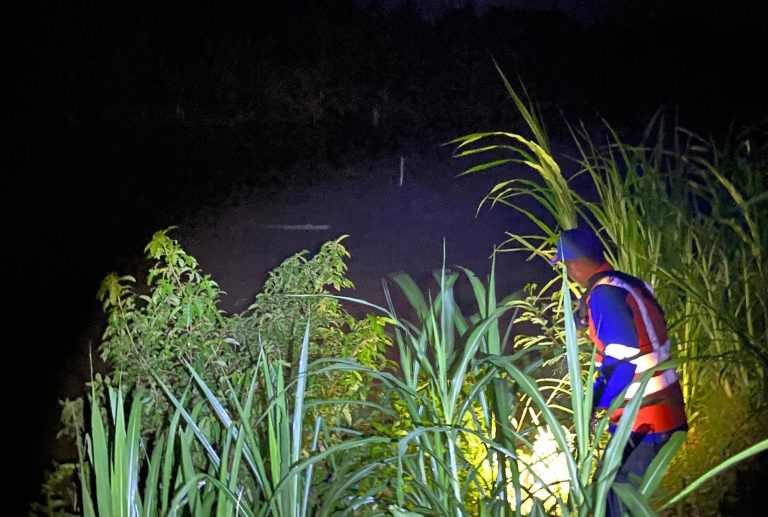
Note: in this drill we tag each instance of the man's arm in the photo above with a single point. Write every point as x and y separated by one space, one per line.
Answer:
615 329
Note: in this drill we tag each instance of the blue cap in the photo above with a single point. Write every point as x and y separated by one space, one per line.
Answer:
576 243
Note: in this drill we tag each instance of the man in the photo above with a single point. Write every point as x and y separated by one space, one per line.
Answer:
627 326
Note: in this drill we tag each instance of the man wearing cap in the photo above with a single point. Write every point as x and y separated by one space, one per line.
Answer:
627 326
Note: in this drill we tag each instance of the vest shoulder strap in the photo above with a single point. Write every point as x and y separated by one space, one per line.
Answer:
604 277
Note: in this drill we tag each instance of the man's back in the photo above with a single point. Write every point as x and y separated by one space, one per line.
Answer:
629 331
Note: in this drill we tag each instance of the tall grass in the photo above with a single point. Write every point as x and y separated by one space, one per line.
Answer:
256 459
446 419
679 222
452 448
680 215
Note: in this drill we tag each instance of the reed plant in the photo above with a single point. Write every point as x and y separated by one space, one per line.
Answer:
680 214
451 442
461 448
259 458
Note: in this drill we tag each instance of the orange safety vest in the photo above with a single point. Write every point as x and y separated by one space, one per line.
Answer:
663 409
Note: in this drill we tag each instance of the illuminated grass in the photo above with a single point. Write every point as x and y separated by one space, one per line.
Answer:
688 219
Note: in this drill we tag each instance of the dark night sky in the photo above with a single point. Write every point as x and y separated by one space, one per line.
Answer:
115 105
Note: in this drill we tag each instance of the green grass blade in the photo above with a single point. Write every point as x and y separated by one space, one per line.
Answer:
132 453
234 475
634 501
581 414
470 348
84 474
223 504
188 419
343 485
751 451
100 459
310 468
186 492
485 166
251 450
479 290
413 294
325 453
660 464
188 470
212 399
298 409
529 115
152 481
118 486
529 386
235 501
169 461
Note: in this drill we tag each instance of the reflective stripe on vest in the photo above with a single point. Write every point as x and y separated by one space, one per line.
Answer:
656 384
643 362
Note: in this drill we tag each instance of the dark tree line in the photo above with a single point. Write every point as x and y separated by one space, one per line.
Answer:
265 83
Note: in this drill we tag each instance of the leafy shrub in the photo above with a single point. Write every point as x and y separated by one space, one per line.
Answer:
156 329
294 294
178 319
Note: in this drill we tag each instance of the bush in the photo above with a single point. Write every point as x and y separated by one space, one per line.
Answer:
156 330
